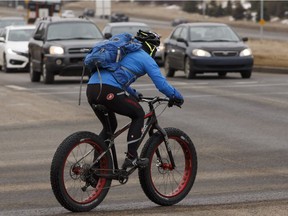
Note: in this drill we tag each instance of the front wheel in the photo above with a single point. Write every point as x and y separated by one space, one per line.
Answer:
48 76
161 182
4 67
189 73
34 75
75 183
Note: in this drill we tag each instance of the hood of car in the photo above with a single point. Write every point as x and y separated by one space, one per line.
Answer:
74 43
211 46
20 46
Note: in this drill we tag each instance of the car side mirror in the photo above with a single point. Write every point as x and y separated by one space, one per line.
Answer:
182 40
107 35
2 40
245 39
38 37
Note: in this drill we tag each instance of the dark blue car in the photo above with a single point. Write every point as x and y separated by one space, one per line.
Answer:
198 48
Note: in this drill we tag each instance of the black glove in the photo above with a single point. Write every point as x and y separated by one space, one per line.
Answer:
138 96
175 101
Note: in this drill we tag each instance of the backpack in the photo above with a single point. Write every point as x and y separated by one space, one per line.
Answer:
107 54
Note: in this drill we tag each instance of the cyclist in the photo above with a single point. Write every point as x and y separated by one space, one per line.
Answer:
114 92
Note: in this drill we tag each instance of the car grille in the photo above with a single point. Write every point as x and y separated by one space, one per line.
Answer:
225 53
76 60
80 50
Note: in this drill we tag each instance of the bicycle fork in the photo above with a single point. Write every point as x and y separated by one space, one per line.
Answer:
168 148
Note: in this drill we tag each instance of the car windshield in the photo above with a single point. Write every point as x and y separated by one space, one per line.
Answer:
129 29
4 23
73 30
20 34
212 34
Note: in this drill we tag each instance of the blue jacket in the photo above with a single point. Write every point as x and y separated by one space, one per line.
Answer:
134 65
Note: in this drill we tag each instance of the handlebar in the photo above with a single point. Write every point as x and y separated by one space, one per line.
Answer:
153 100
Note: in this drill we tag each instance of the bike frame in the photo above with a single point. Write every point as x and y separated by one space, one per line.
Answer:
149 127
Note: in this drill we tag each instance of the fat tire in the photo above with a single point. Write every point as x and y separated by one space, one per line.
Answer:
145 174
57 169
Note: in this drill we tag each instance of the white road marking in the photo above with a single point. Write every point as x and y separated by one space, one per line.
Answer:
251 82
15 87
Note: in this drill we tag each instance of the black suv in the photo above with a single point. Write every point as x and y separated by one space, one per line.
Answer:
59 46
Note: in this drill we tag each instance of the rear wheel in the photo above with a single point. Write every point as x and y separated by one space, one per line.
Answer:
169 72
74 183
189 73
222 74
161 182
246 74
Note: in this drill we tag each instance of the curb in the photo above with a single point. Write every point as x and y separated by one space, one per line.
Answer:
264 69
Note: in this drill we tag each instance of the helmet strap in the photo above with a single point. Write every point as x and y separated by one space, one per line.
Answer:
151 49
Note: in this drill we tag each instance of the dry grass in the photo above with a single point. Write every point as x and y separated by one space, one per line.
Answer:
270 53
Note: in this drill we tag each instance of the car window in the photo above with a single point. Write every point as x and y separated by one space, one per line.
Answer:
20 34
212 33
40 30
176 33
73 30
129 29
3 33
184 33
8 22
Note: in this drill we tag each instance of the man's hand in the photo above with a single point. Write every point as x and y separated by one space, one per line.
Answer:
175 101
138 96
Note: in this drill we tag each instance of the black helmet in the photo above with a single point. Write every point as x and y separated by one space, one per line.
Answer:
150 41
149 37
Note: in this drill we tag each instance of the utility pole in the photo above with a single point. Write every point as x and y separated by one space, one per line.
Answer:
204 8
262 21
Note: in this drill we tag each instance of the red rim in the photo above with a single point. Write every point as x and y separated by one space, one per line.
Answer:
93 193
183 170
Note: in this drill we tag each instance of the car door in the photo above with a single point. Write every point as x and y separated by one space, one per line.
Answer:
171 49
35 47
181 47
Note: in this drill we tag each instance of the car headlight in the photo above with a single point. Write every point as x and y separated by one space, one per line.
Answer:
10 51
201 53
246 52
160 48
56 50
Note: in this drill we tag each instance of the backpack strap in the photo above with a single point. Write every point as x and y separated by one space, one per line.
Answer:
124 86
130 71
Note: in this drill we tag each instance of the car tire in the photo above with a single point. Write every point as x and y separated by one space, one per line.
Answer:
34 76
48 77
189 73
169 72
222 74
246 74
4 67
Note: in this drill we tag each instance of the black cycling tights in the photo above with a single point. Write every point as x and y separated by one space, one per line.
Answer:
116 101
